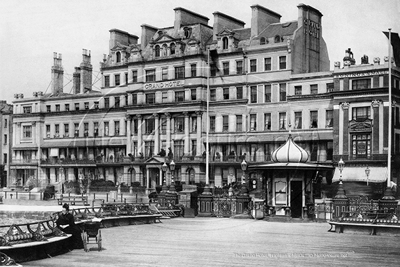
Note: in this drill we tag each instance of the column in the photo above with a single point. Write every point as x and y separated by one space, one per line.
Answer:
147 178
198 134
140 137
186 144
161 176
168 141
345 123
128 134
156 133
375 128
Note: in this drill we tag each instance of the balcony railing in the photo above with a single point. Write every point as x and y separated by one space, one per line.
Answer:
24 161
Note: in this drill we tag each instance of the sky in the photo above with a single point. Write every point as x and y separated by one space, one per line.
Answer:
31 30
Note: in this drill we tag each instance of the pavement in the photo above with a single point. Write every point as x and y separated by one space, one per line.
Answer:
226 242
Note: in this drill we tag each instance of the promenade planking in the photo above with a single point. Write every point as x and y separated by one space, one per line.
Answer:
229 242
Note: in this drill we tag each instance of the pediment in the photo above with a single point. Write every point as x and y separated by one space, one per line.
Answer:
226 32
164 38
119 47
155 160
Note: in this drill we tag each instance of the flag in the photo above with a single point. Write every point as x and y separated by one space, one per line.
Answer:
395 39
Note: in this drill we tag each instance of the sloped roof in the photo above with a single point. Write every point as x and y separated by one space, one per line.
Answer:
281 29
242 34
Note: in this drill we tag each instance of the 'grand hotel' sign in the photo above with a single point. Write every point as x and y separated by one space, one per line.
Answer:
162 85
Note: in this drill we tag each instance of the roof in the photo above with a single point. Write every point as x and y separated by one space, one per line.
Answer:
242 34
281 29
291 166
290 152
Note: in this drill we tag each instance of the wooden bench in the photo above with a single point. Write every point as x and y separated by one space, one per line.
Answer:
73 200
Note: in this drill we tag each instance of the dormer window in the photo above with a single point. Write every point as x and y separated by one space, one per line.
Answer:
225 43
157 51
172 48
188 32
118 57
277 39
263 41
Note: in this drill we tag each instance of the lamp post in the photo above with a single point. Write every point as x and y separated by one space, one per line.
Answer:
367 172
164 168
341 166
340 193
172 168
244 166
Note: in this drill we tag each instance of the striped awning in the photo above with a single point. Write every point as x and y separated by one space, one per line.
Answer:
357 174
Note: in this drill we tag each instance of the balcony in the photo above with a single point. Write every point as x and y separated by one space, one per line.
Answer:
24 162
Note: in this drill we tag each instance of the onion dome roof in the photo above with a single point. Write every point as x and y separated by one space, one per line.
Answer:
290 152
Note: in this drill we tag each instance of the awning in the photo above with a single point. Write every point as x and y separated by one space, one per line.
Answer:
25 148
292 165
357 174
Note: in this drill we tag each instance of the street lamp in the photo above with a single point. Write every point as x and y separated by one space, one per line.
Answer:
244 166
367 172
341 166
172 168
164 168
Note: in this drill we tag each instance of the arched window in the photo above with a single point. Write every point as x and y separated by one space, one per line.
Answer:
262 41
277 39
225 43
157 51
172 48
118 57
164 50
192 176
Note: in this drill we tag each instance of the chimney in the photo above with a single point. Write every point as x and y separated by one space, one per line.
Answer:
261 17
76 81
147 33
57 74
186 17
222 21
86 72
122 37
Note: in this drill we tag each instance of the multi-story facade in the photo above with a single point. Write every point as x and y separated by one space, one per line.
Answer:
265 82
5 141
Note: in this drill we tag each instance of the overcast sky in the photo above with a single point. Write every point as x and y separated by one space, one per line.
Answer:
31 30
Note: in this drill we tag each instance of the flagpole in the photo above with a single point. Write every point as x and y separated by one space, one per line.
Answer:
208 120
388 192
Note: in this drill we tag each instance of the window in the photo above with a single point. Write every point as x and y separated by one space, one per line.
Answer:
282 121
48 131
66 129
107 102
48 108
117 79
57 130
58 108
225 68
26 131
164 97
193 94
148 149
96 104
134 99
5 139
106 128
225 123
298 90
253 122
239 67
267 64
178 149
157 51
150 98
282 92
213 94
117 102
163 125
76 129
134 76
277 39
282 63
298 120
164 72
126 78
361 145
116 128
226 93
225 43
361 113
179 96
118 54
253 65
212 123
239 123
5 123
107 81
267 121
267 93
179 72
76 106
150 75
330 87
5 158
66 107
96 129
213 70
193 70
329 119
262 41
150 125
27 109
193 121
239 92
179 124
313 119
360 84
86 105
314 89
86 129
172 49
253 94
